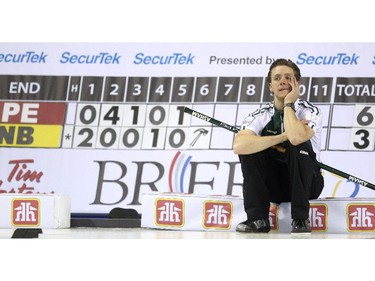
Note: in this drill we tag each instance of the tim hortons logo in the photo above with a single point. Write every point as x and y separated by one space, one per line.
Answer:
25 212
169 212
217 214
318 217
360 217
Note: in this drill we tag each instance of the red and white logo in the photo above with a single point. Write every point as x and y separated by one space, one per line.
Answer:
360 217
25 212
318 217
217 214
273 215
169 212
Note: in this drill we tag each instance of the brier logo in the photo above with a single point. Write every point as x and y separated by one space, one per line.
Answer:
217 214
25 212
169 212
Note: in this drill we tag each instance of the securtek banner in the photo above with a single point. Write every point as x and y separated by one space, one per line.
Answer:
105 123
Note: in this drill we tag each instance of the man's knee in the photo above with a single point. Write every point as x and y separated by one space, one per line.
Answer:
251 159
300 151
317 184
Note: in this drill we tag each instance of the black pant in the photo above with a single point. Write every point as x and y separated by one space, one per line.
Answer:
267 179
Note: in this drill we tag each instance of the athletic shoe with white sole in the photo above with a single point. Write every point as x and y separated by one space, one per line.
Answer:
255 226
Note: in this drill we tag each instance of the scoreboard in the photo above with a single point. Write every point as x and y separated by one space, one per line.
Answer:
115 112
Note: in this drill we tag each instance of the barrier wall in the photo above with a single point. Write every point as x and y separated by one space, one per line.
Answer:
34 211
223 213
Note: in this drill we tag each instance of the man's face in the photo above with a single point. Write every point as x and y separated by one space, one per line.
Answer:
280 81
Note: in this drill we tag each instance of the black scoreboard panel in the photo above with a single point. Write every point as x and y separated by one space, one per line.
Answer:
120 112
